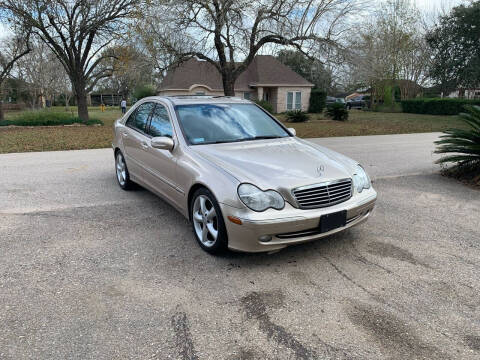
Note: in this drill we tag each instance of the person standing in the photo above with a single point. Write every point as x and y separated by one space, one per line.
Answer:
123 105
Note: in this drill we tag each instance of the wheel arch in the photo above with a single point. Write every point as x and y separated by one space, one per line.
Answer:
116 150
192 191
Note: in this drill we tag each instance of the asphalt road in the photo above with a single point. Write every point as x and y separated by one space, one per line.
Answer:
88 271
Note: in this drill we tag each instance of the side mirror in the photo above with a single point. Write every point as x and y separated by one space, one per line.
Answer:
292 131
162 143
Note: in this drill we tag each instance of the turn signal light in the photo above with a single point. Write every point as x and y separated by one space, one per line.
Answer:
235 220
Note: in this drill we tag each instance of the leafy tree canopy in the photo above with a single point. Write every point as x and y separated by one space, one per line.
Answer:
456 46
311 69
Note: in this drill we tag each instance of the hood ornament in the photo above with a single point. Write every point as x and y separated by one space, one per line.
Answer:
320 169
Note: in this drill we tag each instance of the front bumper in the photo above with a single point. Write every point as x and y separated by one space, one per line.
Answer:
290 225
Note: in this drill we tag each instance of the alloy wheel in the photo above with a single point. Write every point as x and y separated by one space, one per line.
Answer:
121 169
205 220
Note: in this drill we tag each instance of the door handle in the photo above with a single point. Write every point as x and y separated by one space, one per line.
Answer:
124 134
144 146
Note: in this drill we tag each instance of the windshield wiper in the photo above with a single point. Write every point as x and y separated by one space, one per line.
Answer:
263 137
240 140
219 142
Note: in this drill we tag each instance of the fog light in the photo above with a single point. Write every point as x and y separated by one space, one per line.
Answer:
265 238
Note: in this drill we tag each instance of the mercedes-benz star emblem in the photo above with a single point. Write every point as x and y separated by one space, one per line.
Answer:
320 170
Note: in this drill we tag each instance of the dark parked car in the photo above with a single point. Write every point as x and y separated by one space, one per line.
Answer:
332 100
358 102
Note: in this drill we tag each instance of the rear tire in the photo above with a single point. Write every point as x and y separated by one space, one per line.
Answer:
121 170
207 222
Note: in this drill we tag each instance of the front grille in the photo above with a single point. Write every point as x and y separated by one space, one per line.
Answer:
324 194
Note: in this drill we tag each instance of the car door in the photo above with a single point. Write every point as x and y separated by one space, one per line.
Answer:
162 164
135 139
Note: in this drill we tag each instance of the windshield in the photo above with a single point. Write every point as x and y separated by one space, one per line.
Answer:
220 123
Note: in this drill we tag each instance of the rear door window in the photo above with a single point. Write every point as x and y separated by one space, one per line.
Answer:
139 119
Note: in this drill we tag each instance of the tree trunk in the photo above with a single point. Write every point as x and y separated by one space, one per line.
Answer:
81 96
82 106
228 84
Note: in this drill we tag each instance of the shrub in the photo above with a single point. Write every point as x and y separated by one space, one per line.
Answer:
265 105
143 91
46 118
337 111
463 146
317 101
296 116
436 106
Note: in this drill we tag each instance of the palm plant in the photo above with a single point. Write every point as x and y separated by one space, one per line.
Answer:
463 146
337 111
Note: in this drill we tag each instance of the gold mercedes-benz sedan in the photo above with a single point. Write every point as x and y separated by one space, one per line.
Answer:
244 181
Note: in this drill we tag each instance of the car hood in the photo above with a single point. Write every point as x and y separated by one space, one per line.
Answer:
280 164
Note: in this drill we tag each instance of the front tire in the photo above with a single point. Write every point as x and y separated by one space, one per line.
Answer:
123 177
207 222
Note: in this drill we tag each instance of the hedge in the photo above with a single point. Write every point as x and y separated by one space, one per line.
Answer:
46 118
436 106
318 100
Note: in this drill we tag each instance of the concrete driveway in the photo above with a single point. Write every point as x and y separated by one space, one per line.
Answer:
88 271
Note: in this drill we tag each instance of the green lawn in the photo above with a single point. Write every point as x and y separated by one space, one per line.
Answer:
45 138
372 123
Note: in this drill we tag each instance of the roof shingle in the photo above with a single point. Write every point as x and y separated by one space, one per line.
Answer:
263 71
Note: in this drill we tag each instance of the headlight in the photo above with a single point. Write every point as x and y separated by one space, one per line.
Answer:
360 179
259 200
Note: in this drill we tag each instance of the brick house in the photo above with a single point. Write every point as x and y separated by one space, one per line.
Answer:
265 78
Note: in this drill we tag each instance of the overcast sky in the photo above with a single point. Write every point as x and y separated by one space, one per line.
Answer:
431 6
436 5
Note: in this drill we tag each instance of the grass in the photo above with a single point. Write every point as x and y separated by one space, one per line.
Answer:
39 138
46 117
372 123
49 138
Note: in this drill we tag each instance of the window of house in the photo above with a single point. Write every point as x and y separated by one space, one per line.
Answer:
298 100
200 93
294 100
246 95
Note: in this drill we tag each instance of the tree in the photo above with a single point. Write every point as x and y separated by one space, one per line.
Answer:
229 33
130 69
456 49
310 68
12 49
41 73
76 31
390 52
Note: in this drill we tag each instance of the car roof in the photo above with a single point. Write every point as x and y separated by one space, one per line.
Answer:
199 99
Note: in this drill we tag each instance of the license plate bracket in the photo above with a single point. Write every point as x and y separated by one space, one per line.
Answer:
329 222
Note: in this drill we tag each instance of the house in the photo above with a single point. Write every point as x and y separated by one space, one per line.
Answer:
265 78
109 99
355 95
470 94
403 89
